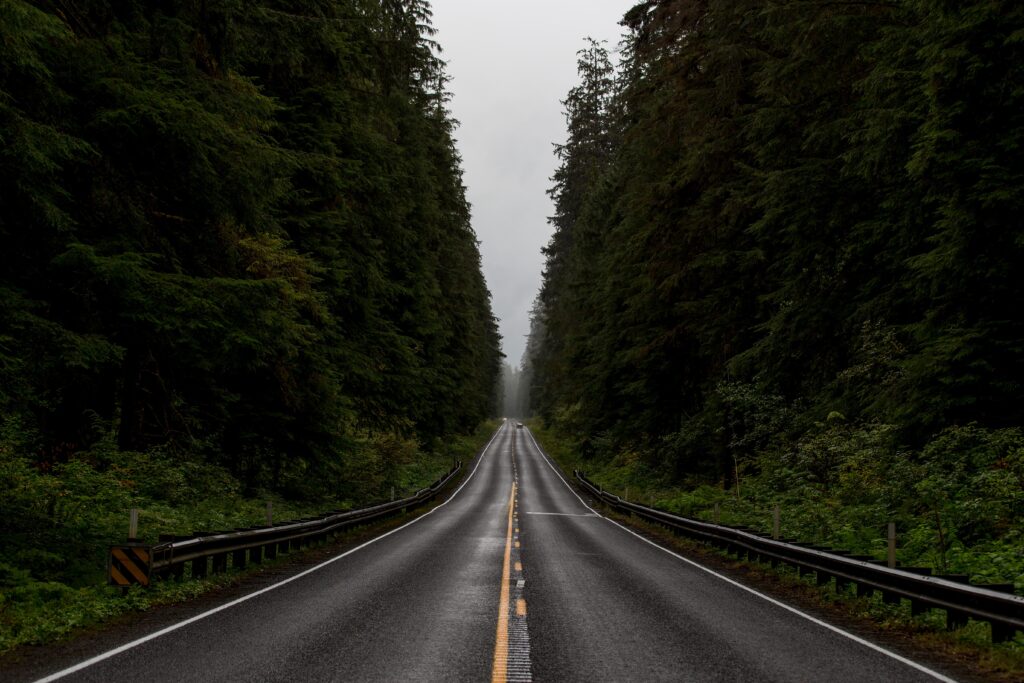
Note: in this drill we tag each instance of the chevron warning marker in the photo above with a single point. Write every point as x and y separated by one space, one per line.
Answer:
129 565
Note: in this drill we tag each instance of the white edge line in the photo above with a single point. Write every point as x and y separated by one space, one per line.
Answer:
181 624
857 639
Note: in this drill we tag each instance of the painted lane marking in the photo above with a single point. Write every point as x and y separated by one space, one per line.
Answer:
181 624
565 514
518 633
857 639
513 612
499 669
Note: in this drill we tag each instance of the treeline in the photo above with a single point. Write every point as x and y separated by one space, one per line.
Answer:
234 232
782 226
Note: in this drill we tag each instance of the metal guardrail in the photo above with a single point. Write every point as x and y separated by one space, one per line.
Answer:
208 552
993 603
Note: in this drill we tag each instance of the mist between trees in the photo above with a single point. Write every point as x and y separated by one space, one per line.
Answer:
235 259
786 264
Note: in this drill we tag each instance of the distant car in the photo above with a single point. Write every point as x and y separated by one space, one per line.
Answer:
519 425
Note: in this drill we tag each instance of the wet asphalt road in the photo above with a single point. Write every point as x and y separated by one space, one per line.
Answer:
421 604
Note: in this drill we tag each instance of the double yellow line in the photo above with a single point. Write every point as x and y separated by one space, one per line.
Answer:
499 670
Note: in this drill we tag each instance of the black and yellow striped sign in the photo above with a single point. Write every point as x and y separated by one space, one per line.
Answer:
129 565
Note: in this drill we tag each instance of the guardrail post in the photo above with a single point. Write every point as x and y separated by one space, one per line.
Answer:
133 524
1002 633
776 515
220 563
238 559
199 567
718 513
891 557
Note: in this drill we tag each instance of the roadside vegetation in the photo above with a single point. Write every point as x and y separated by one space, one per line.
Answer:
957 505
980 534
57 525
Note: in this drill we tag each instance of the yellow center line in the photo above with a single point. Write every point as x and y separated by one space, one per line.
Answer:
499 670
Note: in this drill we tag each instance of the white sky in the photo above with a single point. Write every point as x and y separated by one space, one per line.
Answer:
511 63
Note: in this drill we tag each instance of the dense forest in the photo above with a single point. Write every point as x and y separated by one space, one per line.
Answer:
787 246
235 257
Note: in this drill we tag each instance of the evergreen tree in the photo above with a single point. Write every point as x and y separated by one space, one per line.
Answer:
237 231
801 209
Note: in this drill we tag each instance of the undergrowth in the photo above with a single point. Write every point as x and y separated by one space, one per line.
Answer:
822 518
58 524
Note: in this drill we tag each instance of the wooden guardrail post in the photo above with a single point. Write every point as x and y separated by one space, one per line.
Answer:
133 524
718 513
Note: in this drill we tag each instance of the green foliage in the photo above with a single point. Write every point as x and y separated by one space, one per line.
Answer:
788 277
956 503
236 263
56 525
235 232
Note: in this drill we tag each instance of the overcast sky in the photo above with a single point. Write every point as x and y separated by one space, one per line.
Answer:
511 62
